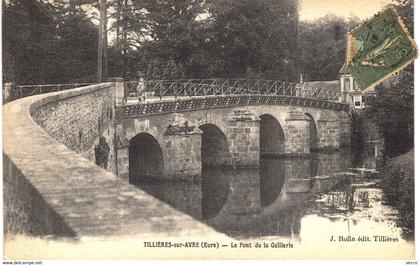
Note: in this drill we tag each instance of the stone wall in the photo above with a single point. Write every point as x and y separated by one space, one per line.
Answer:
51 189
25 210
345 129
79 120
297 133
185 155
329 132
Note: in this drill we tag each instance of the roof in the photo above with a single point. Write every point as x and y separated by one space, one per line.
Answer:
344 69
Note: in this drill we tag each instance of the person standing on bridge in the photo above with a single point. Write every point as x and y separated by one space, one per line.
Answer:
102 152
140 88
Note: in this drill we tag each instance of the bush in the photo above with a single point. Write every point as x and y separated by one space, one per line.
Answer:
393 113
398 187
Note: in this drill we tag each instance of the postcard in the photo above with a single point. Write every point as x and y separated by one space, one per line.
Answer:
204 130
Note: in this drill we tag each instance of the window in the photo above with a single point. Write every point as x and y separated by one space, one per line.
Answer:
347 84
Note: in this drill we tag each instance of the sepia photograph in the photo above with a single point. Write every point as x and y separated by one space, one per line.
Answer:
208 129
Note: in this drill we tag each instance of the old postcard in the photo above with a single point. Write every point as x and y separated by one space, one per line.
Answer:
194 129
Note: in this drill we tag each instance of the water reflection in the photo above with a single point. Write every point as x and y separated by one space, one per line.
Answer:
272 176
215 190
186 197
278 198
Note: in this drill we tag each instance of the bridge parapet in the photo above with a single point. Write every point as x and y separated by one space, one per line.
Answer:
171 105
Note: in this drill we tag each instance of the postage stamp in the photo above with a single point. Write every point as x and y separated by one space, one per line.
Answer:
378 48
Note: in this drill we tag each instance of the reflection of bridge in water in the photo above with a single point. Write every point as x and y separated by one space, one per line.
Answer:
249 203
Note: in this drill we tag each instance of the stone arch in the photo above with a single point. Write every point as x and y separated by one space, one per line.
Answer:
214 147
313 132
145 158
215 120
272 136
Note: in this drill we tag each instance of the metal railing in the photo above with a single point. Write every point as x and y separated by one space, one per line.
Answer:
195 88
22 91
218 87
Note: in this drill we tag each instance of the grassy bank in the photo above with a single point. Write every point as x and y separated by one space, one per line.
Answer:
398 187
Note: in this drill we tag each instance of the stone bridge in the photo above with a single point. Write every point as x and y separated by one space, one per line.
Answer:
183 126
53 187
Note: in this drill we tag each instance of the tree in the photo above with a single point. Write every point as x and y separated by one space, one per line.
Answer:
254 39
47 42
393 112
202 39
173 34
322 47
405 9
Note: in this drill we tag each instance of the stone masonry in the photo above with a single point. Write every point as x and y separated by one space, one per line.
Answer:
345 129
79 121
297 133
184 155
243 137
328 131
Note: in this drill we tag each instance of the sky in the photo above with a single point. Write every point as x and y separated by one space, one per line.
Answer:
314 9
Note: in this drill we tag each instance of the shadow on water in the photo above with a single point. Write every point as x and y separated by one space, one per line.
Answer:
274 200
215 190
271 180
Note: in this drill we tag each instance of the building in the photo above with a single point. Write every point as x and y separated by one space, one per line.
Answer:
350 92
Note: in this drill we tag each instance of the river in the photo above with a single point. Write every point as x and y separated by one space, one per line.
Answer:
328 195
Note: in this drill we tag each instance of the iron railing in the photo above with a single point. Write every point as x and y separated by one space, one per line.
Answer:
22 91
217 87
159 89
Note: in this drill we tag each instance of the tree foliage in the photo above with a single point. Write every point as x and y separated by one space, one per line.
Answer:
56 40
199 39
47 42
322 47
398 187
254 39
405 9
393 112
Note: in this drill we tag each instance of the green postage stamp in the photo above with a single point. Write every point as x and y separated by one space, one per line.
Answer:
379 48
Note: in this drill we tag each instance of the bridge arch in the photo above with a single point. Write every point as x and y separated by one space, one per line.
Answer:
272 137
313 132
214 147
145 158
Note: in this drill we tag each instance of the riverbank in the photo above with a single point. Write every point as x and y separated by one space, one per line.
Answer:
398 187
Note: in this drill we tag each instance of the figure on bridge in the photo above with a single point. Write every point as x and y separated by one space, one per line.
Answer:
140 89
101 153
